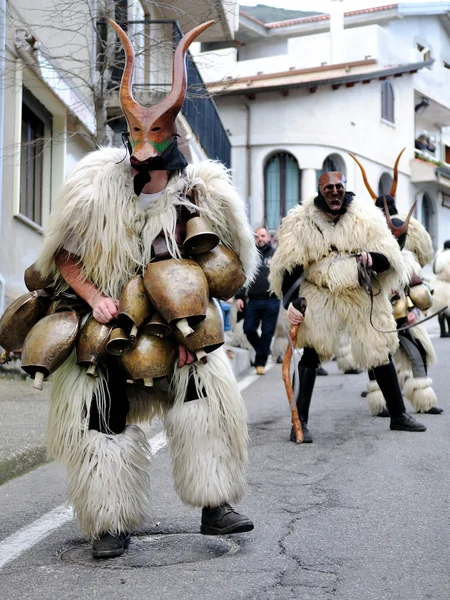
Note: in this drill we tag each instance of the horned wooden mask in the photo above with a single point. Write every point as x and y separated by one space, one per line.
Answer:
397 231
152 129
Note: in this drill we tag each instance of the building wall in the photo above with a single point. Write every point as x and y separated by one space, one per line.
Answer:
313 126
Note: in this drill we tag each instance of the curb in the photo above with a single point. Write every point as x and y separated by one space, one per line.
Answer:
23 463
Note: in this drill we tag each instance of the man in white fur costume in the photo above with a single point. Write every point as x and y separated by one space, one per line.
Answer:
105 221
337 243
441 268
415 353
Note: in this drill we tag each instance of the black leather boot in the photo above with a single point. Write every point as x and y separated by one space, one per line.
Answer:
223 519
442 321
110 546
386 377
307 378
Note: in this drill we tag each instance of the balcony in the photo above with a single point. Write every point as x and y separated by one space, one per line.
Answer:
426 170
154 80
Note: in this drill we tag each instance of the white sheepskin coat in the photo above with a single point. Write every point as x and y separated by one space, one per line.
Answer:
335 299
97 207
441 267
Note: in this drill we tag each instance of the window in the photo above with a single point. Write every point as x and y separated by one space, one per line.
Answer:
282 179
334 162
35 136
387 102
424 51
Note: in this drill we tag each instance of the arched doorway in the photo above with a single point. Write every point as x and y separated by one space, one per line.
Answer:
428 217
282 187
385 184
334 162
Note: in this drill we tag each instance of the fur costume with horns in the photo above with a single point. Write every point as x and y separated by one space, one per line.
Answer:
98 213
208 437
411 364
335 299
441 268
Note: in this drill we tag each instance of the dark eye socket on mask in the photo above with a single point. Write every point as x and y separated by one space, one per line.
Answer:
330 187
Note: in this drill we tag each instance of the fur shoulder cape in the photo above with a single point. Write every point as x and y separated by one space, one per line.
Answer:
418 241
98 209
441 265
309 238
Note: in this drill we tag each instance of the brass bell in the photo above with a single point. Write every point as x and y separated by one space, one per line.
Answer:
134 305
421 297
208 335
223 271
400 309
91 345
198 238
20 316
152 358
48 344
157 326
178 289
34 280
118 343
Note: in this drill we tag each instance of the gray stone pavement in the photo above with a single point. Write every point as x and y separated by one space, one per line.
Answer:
359 514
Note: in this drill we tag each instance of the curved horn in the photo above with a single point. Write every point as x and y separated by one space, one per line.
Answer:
391 225
364 176
177 94
395 180
398 231
126 93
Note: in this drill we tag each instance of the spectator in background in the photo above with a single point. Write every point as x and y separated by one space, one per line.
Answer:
262 307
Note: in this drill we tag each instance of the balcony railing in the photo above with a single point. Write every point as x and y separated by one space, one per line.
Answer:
199 108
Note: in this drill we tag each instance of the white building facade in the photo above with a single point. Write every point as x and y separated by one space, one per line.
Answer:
297 96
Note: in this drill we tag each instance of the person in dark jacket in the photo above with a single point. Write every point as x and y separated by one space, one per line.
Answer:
262 307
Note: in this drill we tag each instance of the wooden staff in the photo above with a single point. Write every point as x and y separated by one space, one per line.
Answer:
299 304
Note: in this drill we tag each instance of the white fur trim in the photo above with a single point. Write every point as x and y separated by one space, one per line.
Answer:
419 392
375 398
109 482
419 242
208 436
146 404
343 352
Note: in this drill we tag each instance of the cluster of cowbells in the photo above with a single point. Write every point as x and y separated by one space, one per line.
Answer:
173 303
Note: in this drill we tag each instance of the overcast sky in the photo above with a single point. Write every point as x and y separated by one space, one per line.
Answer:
322 5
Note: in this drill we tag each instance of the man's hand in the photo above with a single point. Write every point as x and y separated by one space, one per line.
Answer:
411 318
295 316
105 309
365 259
240 304
185 357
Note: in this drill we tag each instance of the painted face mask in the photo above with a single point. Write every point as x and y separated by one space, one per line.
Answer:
332 189
152 132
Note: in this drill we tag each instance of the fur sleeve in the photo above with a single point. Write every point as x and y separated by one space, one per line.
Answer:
441 265
286 256
225 211
419 242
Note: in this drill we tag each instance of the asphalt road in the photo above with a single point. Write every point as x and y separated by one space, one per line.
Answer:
359 514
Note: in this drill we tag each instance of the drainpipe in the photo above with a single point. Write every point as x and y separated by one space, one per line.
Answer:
248 164
2 122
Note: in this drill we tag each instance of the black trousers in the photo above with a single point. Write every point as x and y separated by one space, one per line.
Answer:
113 418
